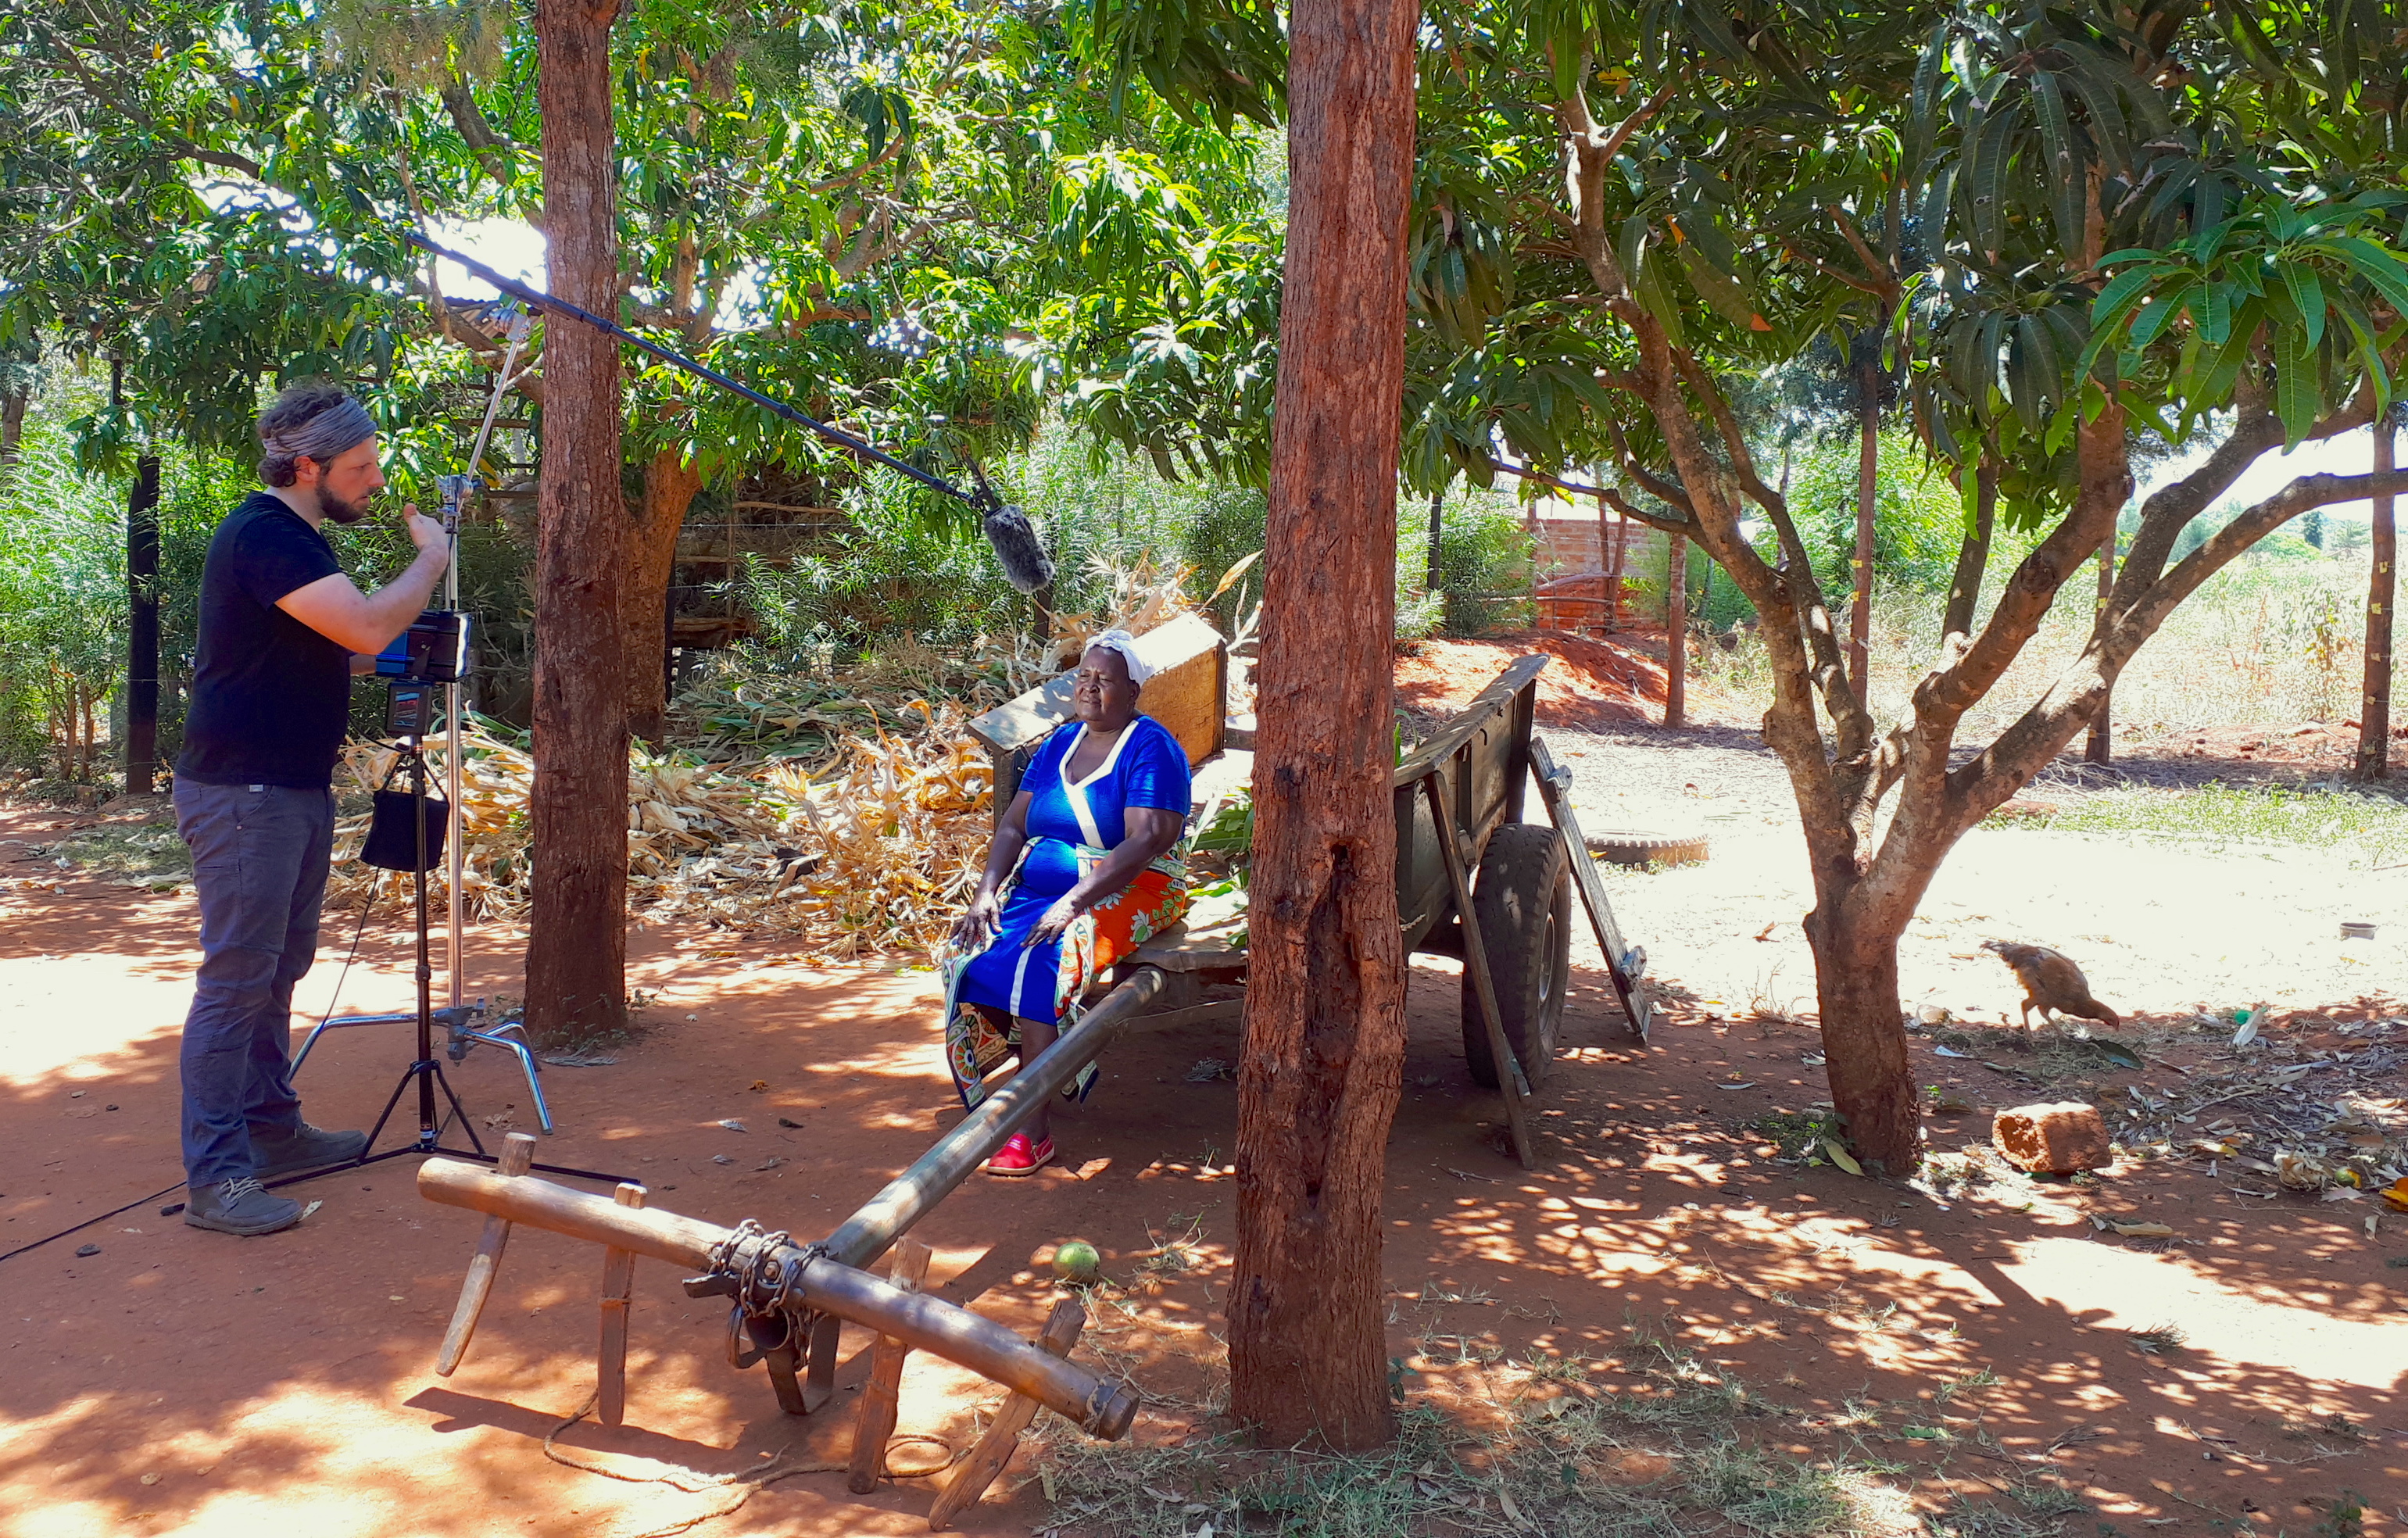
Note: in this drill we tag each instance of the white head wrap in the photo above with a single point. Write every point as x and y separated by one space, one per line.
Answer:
1125 644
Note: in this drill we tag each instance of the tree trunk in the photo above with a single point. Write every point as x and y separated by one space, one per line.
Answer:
669 488
2101 748
1438 508
1676 630
1872 1084
12 425
142 629
2373 760
1325 1011
1860 611
1973 555
577 946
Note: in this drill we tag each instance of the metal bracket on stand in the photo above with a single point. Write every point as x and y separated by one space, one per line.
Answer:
458 1022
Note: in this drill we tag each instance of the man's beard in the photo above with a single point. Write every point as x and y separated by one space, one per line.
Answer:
338 510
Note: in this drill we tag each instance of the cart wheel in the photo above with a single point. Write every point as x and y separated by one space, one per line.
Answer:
1523 899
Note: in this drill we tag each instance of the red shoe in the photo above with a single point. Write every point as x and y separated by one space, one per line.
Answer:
1019 1156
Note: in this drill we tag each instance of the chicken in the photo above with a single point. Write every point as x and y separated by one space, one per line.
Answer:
2051 981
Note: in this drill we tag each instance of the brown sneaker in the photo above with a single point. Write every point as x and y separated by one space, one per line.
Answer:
239 1206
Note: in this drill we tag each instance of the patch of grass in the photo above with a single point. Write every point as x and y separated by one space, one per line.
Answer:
2049 1500
1177 1254
1773 1496
1572 1466
1798 1134
2347 1517
151 853
1954 1387
2220 814
2157 1340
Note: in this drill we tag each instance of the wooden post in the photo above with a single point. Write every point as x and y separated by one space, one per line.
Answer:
1438 508
1002 1438
1509 1079
142 629
1676 630
881 1396
1614 566
618 1296
518 1157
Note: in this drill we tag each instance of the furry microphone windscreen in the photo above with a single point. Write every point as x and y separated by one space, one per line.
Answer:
1017 549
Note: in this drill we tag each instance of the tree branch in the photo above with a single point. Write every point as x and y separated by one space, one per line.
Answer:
1686 525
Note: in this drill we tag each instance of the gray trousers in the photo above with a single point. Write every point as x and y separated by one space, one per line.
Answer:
260 855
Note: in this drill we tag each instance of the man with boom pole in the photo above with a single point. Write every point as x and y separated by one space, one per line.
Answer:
282 632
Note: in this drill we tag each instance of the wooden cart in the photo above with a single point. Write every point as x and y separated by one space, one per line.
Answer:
1477 883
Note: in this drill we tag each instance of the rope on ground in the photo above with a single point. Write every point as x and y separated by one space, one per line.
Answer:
731 1491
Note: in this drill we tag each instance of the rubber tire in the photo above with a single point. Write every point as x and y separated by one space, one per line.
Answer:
1521 897
1624 848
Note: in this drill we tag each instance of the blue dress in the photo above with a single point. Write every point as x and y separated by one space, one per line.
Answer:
1072 827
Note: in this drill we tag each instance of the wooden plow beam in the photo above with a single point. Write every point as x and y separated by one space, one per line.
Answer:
790 1297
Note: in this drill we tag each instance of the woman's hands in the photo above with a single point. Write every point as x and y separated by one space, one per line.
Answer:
1067 907
976 924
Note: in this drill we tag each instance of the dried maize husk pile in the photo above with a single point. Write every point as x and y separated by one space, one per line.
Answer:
876 845
872 840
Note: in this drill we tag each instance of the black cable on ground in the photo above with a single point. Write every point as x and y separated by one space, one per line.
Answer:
90 1221
173 1208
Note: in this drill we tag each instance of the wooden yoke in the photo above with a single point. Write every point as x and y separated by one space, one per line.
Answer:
518 1157
809 1280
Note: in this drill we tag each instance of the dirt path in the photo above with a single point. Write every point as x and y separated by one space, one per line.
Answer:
1965 1356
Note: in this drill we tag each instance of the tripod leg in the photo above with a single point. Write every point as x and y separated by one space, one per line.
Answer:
390 1100
460 1111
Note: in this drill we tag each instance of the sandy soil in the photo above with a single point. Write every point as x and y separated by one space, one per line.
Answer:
184 1381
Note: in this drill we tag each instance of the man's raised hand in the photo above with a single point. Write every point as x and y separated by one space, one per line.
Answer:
426 533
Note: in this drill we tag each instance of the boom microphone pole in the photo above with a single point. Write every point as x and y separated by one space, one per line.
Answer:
1024 562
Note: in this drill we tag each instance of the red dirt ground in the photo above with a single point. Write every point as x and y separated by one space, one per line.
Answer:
185 1382
1594 682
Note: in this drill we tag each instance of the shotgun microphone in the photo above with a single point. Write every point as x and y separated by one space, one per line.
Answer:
1017 549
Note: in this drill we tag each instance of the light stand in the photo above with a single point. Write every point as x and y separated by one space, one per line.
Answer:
427 1070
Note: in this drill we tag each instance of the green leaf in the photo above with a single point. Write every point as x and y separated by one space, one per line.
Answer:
2068 186
1985 184
2295 387
1729 299
2308 294
2384 268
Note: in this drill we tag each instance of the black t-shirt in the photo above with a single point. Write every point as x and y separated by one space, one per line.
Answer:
271 698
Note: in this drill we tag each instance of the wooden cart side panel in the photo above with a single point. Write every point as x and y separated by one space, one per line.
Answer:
1480 754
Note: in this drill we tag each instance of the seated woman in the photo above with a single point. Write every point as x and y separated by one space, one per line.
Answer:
1081 873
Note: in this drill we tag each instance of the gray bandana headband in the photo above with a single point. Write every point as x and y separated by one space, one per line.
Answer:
341 427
